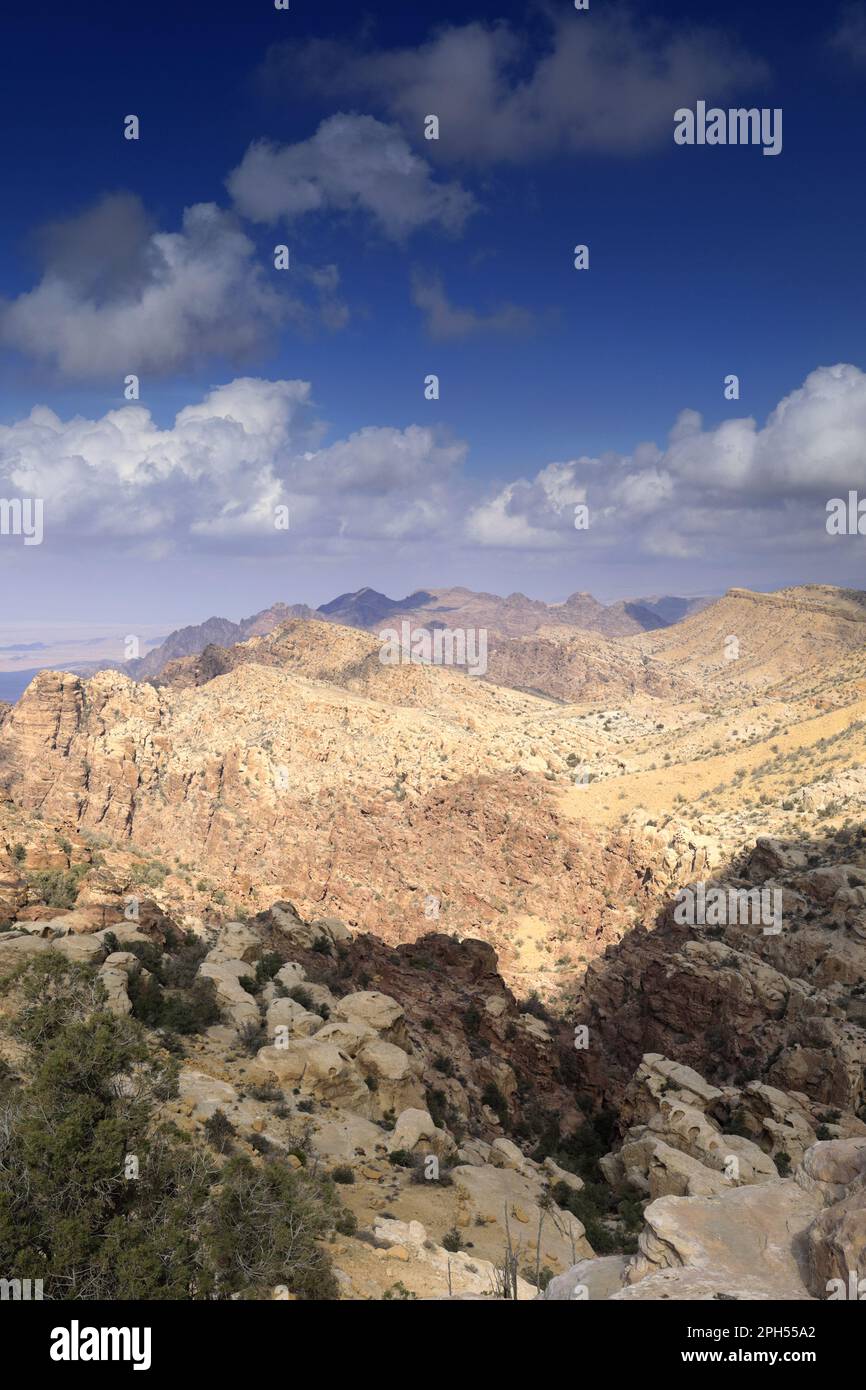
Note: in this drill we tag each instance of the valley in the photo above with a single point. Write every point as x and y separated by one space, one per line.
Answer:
410 913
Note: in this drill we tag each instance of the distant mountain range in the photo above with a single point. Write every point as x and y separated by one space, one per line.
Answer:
514 616
188 641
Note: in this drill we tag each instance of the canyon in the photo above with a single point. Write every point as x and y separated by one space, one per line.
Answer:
463 952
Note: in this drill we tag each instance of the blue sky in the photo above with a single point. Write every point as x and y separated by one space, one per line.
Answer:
412 257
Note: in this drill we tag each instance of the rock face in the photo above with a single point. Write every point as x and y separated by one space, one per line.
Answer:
449 966
783 1009
438 815
781 632
748 1234
745 1239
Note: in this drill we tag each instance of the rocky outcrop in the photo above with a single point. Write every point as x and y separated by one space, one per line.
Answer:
783 1009
747 1234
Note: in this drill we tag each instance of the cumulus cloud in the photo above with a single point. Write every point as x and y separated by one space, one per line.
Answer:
352 164
215 477
446 320
117 296
735 482
609 83
212 479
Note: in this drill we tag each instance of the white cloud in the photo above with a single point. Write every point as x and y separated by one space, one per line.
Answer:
734 484
211 481
352 164
215 477
171 298
607 82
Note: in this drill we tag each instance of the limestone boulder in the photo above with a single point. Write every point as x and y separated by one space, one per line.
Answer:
237 941
415 1130
831 1168
836 1244
396 1076
588 1280
315 1069
370 1009
749 1236
285 1014
239 1006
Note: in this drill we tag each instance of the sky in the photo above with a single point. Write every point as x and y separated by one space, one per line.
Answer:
282 445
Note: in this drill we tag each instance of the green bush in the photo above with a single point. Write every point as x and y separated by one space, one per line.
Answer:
492 1097
220 1132
72 1210
57 887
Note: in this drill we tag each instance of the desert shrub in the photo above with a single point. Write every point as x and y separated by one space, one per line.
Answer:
264 1092
71 1213
182 1011
591 1205
420 1178
150 875
535 1006
263 1227
179 969
343 1174
267 967
346 1223
472 1020
68 1213
437 1106
219 1132
401 1158
493 1097
250 1036
57 887
149 954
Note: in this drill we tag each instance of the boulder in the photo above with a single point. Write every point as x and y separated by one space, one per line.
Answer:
588 1280
748 1236
286 1014
240 1006
829 1169
370 1009
414 1129
397 1076
316 1069
237 942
